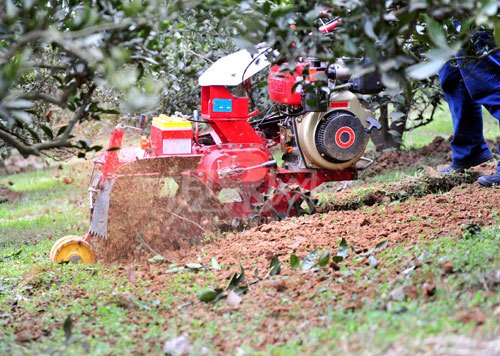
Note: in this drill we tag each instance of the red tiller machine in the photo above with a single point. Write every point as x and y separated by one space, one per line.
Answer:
226 167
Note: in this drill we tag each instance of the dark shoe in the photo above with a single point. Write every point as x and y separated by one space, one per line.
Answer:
491 180
456 168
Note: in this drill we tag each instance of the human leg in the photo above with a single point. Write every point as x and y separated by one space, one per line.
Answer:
468 145
482 79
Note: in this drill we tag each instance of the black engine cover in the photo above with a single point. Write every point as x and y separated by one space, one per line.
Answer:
340 136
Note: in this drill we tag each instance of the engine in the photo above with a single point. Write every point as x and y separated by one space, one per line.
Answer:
334 139
320 132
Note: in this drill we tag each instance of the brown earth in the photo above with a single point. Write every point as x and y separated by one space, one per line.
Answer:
440 207
139 233
18 164
430 216
406 223
437 152
7 195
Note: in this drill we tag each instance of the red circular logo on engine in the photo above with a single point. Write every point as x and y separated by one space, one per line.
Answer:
344 137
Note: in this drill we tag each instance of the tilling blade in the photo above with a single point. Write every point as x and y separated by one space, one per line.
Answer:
99 221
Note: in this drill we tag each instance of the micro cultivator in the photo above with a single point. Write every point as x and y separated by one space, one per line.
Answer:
184 181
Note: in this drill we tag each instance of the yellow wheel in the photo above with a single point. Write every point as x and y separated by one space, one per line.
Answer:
72 249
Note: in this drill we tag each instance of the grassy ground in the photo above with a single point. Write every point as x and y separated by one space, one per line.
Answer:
442 126
48 208
417 299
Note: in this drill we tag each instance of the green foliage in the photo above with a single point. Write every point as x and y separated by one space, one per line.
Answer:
190 44
63 63
83 60
294 261
406 41
275 266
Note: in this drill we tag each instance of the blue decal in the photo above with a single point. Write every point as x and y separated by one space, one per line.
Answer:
222 105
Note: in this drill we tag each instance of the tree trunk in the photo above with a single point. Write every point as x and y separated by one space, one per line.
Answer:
384 138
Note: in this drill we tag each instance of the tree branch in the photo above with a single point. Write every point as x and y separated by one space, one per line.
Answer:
483 56
99 28
22 41
61 102
25 149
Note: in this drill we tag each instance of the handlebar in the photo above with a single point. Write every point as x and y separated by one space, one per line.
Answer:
330 25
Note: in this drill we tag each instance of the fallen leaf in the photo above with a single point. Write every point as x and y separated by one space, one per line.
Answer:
343 249
68 328
156 259
409 269
275 267
447 267
194 266
233 299
373 261
178 346
208 295
324 258
310 260
236 279
215 264
294 261
15 254
475 315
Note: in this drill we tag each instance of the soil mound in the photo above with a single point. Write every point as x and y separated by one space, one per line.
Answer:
7 195
392 159
429 216
18 164
437 152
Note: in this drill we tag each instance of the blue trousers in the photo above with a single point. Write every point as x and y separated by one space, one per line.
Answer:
468 85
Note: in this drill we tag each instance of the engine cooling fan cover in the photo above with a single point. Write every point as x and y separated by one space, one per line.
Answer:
340 136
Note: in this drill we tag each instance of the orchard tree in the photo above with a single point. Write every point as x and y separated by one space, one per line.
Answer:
86 59
407 41
89 59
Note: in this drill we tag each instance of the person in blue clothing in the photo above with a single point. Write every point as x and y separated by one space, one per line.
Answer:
470 82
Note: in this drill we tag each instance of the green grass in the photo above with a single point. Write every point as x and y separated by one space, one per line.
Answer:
48 208
114 316
442 126
381 322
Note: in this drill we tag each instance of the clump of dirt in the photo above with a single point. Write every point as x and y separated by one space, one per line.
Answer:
437 152
143 220
7 195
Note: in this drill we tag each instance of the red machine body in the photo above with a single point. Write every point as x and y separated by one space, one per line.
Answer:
286 87
240 157
270 164
320 137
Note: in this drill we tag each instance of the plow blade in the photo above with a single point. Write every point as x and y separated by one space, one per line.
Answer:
153 167
99 220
